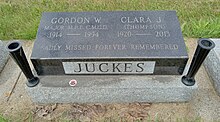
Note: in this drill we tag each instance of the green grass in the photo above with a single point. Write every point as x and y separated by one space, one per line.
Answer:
19 19
2 119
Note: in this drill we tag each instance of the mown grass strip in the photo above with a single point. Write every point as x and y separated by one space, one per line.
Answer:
20 18
2 119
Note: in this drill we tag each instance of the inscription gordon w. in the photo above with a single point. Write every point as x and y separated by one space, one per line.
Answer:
73 20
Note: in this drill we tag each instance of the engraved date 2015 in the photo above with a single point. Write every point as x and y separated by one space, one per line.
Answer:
162 34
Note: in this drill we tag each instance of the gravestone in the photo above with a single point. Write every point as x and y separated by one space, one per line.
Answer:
212 65
110 57
3 56
122 42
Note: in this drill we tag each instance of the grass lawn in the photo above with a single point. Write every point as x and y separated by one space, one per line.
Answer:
19 19
2 119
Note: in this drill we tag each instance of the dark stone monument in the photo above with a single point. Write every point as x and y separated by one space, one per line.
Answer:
103 44
122 42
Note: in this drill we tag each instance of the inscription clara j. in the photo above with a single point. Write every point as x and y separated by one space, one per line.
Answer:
126 35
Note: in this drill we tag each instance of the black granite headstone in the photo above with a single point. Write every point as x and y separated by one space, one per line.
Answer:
120 42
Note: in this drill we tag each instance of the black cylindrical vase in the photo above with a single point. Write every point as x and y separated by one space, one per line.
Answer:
202 50
16 52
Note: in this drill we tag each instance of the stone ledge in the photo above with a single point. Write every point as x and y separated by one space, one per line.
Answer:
4 55
212 65
111 89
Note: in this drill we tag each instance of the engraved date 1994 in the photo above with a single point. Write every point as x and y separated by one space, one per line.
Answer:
91 34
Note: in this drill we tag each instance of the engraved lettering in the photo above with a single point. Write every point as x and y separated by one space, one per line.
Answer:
54 35
70 20
67 20
116 67
79 67
140 67
87 67
162 34
141 19
53 20
128 67
55 27
98 20
159 20
109 67
75 27
124 34
80 20
154 46
144 27
59 47
123 47
175 46
101 67
96 27
110 47
78 47
60 20
46 27
92 34
53 47
123 19
148 20
136 20
86 20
